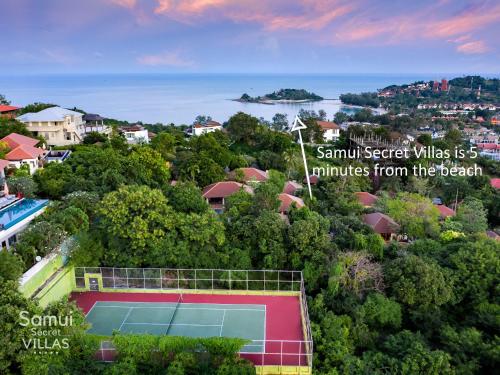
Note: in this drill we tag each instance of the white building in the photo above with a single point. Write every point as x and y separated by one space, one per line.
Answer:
209 127
22 152
59 126
135 134
94 123
331 131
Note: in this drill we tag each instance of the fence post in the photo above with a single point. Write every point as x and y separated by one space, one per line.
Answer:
126 273
281 354
212 279
114 279
178 284
143 278
247 280
195 280
161 279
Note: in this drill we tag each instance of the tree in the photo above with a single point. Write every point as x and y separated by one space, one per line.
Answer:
3 100
134 218
186 197
11 266
164 143
22 185
417 215
378 311
280 122
418 282
472 215
242 127
94 137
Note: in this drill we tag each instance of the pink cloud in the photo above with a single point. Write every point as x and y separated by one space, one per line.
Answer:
473 48
125 3
169 58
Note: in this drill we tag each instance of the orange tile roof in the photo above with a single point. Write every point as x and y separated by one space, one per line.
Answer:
24 152
8 108
224 189
287 200
14 140
366 199
381 223
326 125
444 211
291 187
254 174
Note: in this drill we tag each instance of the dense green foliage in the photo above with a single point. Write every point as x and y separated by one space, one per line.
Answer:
426 306
284 94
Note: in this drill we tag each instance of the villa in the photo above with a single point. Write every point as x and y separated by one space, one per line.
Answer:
59 126
22 152
382 224
94 123
135 134
331 131
250 175
8 111
216 193
444 211
15 215
367 200
291 187
199 129
288 201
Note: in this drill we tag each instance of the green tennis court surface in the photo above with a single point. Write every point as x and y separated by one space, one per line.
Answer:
181 319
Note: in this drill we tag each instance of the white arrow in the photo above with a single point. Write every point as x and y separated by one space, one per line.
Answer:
298 125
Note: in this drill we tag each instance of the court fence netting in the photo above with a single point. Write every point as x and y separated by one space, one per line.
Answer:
275 352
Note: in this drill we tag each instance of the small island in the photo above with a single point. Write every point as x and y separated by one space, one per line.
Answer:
282 96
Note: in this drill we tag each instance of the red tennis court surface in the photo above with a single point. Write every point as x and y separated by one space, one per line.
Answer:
284 338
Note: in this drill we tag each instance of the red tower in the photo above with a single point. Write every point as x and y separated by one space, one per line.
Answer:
444 85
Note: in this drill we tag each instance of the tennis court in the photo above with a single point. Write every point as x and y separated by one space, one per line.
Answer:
246 321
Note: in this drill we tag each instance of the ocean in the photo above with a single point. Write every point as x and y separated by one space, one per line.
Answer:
179 98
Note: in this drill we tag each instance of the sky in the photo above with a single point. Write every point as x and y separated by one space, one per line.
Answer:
250 36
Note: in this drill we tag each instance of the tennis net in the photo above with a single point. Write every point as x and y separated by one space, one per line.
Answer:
179 301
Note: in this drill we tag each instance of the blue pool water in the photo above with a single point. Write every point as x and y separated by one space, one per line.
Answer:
20 211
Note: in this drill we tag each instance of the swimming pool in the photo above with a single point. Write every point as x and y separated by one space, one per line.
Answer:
12 215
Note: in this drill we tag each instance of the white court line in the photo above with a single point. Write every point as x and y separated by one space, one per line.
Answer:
176 324
94 305
124 319
222 325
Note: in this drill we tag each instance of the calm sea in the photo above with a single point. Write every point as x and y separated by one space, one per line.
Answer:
179 98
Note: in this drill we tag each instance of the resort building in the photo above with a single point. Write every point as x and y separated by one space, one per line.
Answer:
288 201
135 134
216 193
291 187
331 131
365 199
249 175
94 123
382 224
15 215
22 152
199 129
8 111
59 126
444 211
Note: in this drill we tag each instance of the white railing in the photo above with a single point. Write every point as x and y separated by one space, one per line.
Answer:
275 353
203 279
